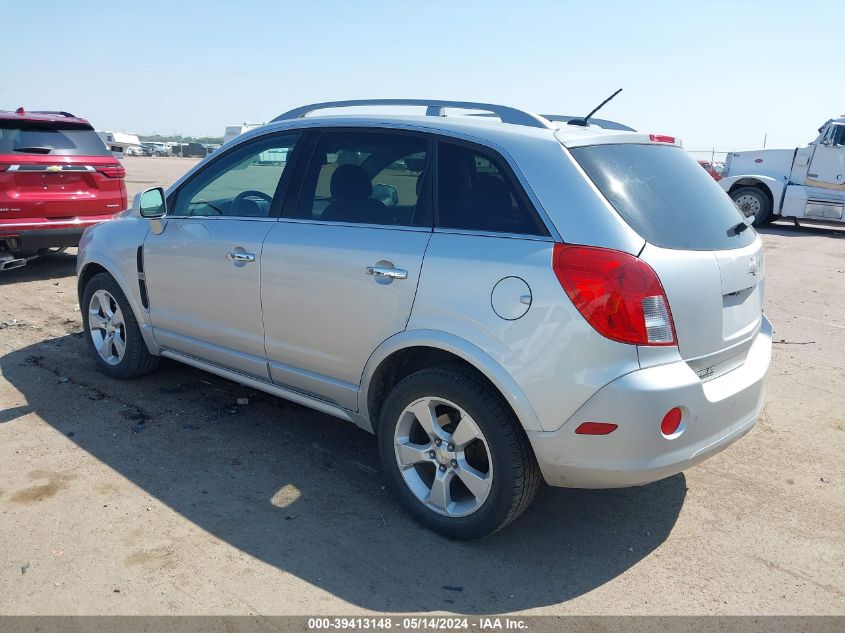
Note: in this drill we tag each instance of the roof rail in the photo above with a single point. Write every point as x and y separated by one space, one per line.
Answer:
434 107
59 112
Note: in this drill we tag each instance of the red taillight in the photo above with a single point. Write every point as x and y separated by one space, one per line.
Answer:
112 171
661 138
671 421
618 294
596 428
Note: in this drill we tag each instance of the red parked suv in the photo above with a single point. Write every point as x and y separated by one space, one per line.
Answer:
57 177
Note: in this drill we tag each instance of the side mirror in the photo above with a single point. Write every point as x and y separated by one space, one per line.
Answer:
386 194
152 203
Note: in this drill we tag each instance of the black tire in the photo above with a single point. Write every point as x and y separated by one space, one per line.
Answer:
764 212
137 359
516 475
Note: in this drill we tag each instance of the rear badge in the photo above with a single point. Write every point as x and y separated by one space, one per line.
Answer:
54 168
706 372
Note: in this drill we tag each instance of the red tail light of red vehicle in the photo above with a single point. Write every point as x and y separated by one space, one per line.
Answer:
112 171
618 294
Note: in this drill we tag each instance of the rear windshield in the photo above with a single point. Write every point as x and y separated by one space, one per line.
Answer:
665 196
24 137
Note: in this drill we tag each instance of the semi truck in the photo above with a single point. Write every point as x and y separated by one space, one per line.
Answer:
801 183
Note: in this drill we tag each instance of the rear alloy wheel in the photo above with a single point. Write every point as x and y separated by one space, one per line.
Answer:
753 203
454 453
443 457
112 330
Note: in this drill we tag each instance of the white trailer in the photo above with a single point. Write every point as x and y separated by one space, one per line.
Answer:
802 183
234 131
118 142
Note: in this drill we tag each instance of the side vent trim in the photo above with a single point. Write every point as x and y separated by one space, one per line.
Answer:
142 279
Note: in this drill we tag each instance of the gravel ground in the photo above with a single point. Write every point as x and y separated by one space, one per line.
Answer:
163 495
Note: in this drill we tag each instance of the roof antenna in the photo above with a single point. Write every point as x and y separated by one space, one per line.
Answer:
585 121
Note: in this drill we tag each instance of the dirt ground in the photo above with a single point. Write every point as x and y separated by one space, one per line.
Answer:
163 495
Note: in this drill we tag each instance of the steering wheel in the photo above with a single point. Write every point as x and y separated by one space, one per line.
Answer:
252 193
208 204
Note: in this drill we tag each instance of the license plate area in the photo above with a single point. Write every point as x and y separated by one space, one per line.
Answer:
741 311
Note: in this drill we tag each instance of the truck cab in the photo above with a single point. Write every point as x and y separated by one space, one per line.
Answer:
801 183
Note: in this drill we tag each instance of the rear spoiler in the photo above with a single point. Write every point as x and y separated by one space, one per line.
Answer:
565 118
602 123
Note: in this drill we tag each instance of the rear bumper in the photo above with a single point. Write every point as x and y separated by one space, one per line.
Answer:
32 234
716 413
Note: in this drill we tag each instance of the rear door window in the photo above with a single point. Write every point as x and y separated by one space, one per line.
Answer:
665 196
53 139
477 193
367 177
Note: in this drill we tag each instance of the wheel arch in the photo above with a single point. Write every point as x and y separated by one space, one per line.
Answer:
91 267
771 188
410 351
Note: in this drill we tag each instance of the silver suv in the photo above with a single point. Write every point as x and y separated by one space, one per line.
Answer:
499 299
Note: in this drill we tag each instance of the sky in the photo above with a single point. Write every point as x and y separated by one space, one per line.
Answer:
717 74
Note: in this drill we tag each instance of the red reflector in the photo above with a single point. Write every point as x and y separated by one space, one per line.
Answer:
112 171
671 421
596 428
661 138
618 294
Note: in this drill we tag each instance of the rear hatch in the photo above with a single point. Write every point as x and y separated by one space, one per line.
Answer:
709 262
56 170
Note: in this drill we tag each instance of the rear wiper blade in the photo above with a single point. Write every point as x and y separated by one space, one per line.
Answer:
40 149
739 227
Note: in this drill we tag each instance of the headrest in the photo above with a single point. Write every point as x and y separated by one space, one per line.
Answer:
351 181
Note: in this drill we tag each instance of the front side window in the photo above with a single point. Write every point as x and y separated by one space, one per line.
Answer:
241 184
366 177
475 193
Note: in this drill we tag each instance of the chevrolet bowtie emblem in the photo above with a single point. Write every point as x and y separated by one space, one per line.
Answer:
54 168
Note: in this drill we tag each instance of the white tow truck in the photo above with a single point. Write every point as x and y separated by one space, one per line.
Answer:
802 183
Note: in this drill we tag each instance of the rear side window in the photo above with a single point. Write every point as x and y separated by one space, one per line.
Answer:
23 137
366 177
476 193
665 196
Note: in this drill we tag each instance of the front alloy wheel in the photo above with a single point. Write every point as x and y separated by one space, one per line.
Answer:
113 331
106 327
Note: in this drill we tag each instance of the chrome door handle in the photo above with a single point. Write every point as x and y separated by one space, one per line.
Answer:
240 257
387 273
